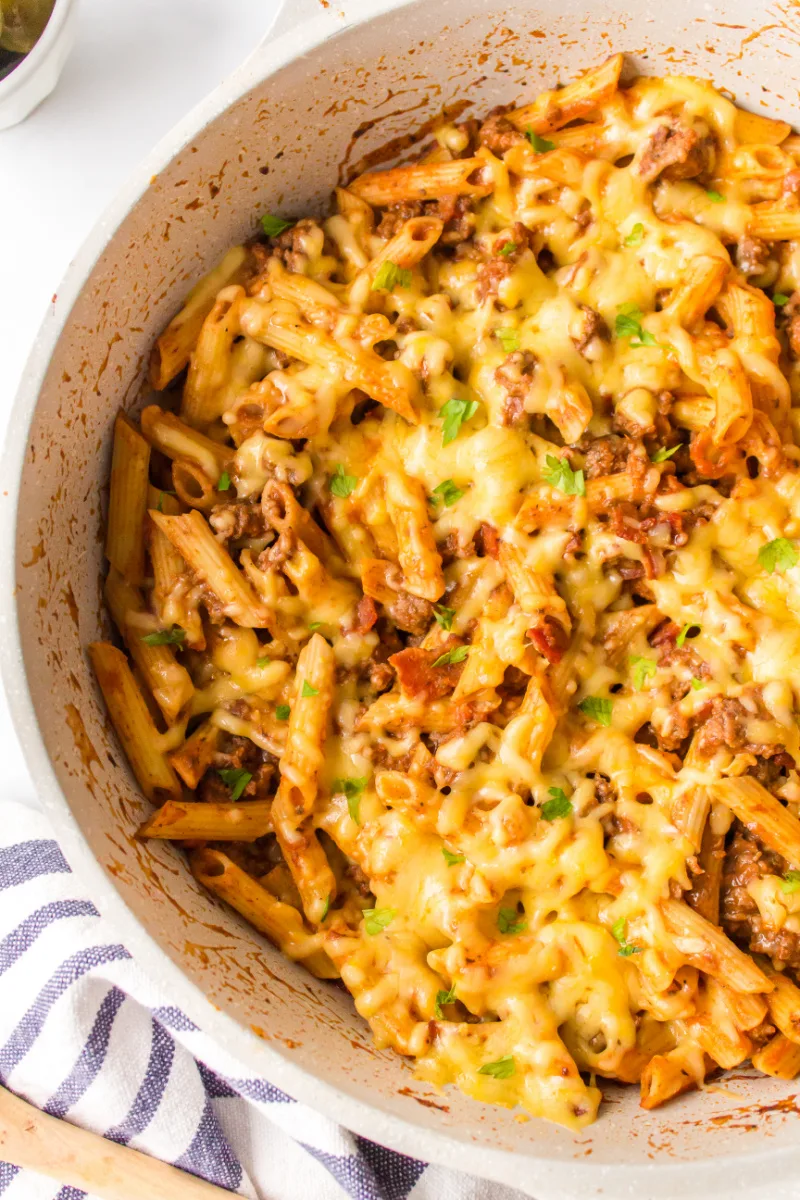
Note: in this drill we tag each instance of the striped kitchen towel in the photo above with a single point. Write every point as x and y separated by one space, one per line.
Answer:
86 1036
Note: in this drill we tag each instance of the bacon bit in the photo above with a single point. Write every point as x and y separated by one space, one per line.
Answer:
550 639
667 631
417 676
366 615
487 541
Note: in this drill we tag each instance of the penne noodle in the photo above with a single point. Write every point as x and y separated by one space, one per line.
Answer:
431 181
240 821
127 503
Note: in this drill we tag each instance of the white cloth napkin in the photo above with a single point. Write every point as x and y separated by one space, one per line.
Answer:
86 1036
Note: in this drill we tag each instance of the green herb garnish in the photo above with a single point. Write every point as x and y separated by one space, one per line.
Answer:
508 339
560 474
790 883
352 789
307 690
778 555
663 454
716 197
236 778
451 657
598 708
509 921
636 234
282 712
507 248
541 145
444 616
625 948
684 633
224 482
643 668
629 325
166 637
559 806
342 485
447 492
389 276
443 998
376 919
504 1068
454 413
780 298
272 226
451 859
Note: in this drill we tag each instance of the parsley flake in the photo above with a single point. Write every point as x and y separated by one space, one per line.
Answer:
342 485
504 1068
307 690
452 657
778 555
389 276
790 883
684 633
508 339
263 662
282 712
443 998
625 948
559 806
643 668
598 708
236 778
628 324
636 234
273 226
541 145
716 197
352 789
451 859
662 454
314 626
224 482
697 684
444 616
509 921
447 492
560 474
166 637
454 413
507 248
326 908
780 298
376 919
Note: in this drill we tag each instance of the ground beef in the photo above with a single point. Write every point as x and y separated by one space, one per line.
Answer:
455 211
287 246
515 375
771 772
752 255
239 520
452 548
606 456
487 541
592 326
678 151
238 753
497 132
255 858
499 266
410 613
745 861
725 725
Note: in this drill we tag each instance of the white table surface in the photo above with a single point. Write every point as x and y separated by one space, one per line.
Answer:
138 66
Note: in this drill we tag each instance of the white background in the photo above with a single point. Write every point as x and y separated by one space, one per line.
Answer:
138 66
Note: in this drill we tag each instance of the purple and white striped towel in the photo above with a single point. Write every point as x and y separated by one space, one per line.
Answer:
86 1036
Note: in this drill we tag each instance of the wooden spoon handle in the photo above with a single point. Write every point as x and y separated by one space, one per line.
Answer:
30 1138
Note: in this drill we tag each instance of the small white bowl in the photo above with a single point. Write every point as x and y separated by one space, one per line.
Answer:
29 83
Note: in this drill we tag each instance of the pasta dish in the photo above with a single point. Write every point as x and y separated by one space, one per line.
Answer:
457 570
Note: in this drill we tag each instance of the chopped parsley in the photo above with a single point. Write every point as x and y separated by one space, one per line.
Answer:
376 919
272 226
716 197
326 909
447 492
451 859
663 453
636 234
161 495
780 298
507 248
315 625
307 690
224 482
697 684
282 712
559 806
508 339
684 633
389 276
560 474
643 668
452 657
454 413
263 662
504 1068
352 789
166 637
541 145
509 921
444 615
443 998
342 485
790 883
236 778
778 555
598 708
629 325
625 948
